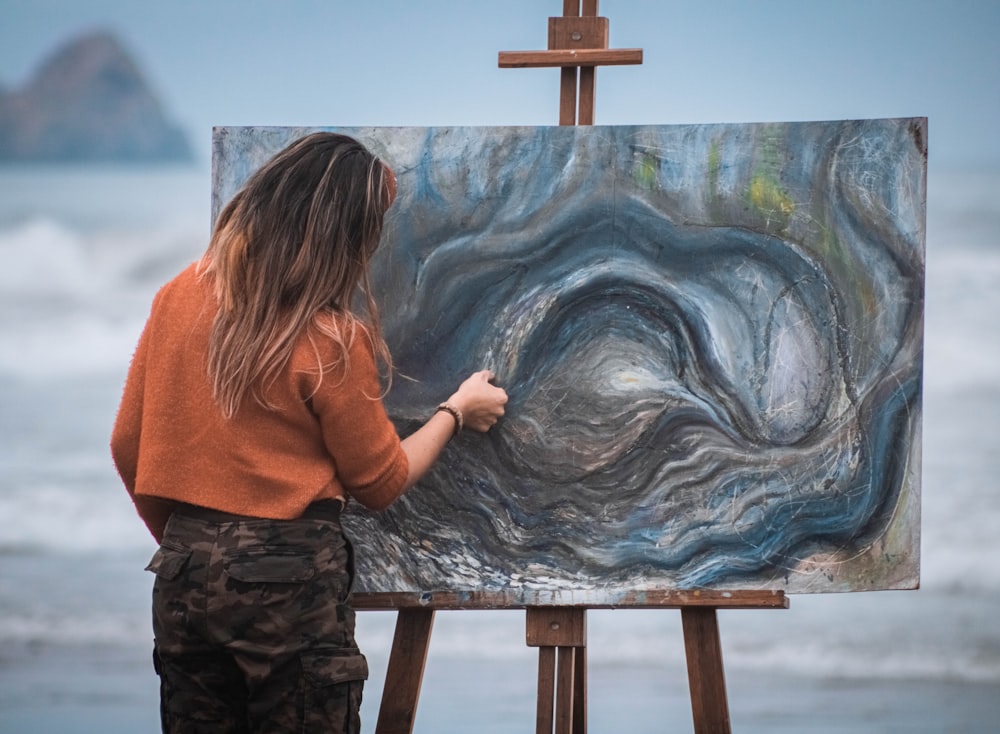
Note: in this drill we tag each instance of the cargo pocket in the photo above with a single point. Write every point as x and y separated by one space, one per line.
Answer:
333 681
271 564
168 561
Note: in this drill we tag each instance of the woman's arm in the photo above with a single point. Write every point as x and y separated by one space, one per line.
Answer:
480 405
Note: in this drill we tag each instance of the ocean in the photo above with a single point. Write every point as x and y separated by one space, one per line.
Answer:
83 250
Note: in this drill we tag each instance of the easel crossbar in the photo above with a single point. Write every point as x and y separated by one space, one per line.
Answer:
569 57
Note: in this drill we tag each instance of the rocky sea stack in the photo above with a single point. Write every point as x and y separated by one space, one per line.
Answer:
88 102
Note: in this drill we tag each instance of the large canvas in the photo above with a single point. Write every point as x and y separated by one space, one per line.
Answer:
711 336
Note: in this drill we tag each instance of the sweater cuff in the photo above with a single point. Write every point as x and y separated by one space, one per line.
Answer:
387 488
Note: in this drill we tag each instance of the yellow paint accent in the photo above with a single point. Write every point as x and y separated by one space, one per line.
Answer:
769 198
645 171
714 166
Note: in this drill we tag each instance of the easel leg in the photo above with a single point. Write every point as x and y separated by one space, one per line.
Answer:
561 691
580 691
709 704
405 672
565 690
546 690
561 638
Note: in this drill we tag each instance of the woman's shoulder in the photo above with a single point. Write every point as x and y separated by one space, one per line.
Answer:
189 279
335 339
188 290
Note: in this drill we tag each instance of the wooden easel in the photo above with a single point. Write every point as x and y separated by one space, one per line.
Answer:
559 631
578 43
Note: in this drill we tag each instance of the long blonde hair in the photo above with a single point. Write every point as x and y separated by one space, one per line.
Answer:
295 242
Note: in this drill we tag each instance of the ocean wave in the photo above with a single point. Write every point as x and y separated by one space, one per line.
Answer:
853 637
73 302
962 346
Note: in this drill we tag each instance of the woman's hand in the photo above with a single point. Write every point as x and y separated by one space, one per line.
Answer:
481 403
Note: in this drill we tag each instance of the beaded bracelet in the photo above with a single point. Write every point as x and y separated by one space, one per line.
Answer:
455 413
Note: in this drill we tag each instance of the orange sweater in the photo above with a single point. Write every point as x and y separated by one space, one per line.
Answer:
172 443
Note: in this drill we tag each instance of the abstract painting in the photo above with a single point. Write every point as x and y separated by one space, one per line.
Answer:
711 336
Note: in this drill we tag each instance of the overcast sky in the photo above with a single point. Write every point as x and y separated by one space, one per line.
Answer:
434 62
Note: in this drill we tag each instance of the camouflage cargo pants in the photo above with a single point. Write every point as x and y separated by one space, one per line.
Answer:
252 630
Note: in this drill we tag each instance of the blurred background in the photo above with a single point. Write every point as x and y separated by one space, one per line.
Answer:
90 226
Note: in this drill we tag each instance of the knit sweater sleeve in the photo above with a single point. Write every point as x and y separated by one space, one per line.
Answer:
370 462
127 430
126 438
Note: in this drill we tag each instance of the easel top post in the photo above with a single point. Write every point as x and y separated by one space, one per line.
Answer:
578 43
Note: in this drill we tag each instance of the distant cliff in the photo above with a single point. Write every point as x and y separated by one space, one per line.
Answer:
88 102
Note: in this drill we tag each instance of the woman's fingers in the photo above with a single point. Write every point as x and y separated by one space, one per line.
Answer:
481 402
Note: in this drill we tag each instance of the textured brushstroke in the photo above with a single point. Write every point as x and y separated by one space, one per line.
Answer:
711 337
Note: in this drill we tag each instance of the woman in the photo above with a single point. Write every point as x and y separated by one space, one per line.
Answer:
251 413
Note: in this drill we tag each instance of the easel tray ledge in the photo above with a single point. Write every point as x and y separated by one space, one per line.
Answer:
589 599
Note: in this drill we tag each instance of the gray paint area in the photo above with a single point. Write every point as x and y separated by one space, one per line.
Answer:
712 340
